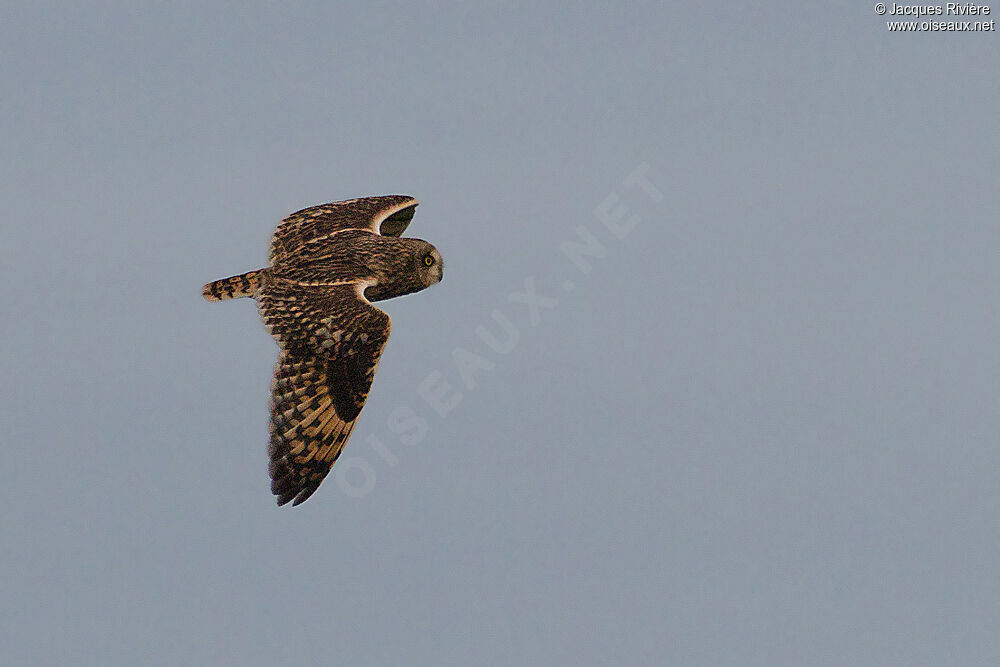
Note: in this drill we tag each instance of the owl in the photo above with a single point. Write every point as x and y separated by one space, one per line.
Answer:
327 265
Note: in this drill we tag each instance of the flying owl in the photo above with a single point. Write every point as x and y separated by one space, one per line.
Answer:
327 264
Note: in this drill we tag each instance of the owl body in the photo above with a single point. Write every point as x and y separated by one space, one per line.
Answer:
328 263
392 266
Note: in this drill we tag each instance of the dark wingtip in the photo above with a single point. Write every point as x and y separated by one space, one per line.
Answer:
304 495
283 487
286 492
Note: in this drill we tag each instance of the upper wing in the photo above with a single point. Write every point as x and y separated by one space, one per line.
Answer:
331 341
388 215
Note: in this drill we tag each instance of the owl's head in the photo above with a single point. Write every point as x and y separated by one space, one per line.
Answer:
430 266
403 266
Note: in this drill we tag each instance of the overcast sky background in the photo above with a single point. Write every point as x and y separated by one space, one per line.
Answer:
761 430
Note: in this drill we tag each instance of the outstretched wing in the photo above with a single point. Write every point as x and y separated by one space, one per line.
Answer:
331 340
388 215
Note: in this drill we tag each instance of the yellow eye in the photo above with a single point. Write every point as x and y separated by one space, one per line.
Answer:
428 260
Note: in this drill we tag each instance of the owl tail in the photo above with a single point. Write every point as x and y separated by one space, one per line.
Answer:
245 284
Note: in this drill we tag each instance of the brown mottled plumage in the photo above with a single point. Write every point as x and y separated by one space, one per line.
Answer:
328 263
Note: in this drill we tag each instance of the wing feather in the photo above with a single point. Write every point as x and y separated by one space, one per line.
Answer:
331 340
388 215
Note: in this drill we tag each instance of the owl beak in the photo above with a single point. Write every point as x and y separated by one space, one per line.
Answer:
438 267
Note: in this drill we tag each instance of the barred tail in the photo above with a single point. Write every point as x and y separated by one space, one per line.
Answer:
245 284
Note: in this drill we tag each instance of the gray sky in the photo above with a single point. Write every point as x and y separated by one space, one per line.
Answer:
762 429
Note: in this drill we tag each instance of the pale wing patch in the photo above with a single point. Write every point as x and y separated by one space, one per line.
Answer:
307 435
